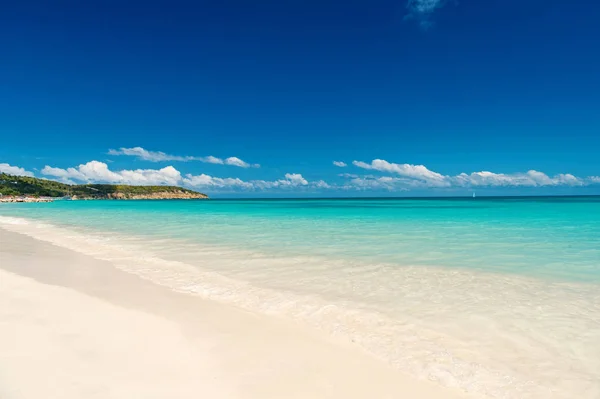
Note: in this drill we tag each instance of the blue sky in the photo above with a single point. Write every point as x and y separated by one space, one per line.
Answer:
239 98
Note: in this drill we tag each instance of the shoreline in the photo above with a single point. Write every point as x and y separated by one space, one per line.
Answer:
474 334
91 316
10 200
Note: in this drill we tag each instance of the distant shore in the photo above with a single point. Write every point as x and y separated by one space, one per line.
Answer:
25 199
117 196
32 189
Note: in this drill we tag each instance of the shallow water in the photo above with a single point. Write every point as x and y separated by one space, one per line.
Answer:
496 296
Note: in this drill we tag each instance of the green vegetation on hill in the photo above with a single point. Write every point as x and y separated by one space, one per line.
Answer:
32 186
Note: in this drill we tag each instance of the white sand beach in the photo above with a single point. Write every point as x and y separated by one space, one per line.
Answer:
72 326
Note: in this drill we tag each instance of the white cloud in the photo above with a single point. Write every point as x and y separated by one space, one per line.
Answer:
14 170
235 161
152 156
419 172
402 177
418 176
422 10
424 6
340 164
296 179
291 180
204 181
365 183
531 178
211 159
210 181
64 175
568 179
321 184
159 156
98 172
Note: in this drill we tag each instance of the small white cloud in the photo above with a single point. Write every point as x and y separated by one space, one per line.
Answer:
14 170
211 159
407 170
64 175
422 10
531 178
365 183
152 156
322 184
340 164
235 161
204 180
424 6
567 180
291 180
159 156
296 179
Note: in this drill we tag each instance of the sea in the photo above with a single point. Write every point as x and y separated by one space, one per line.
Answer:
499 297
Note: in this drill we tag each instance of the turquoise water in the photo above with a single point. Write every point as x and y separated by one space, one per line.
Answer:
543 237
496 296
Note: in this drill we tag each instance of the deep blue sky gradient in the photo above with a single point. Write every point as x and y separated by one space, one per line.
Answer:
499 85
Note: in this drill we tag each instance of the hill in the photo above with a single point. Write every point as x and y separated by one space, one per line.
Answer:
31 186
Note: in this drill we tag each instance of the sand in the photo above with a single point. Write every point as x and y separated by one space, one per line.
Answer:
72 326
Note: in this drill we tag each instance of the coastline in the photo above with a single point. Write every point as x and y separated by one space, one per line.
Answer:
10 199
82 328
25 199
488 334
